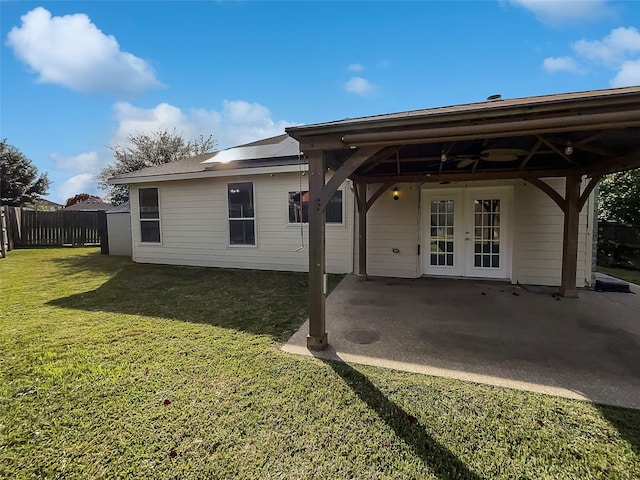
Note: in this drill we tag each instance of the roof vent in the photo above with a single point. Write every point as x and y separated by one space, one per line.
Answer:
494 98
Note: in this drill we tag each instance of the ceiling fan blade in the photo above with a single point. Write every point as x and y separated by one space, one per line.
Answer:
465 162
501 154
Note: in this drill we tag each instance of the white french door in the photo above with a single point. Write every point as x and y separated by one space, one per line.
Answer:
466 232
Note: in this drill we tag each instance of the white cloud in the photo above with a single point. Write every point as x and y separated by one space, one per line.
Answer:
355 67
613 49
561 64
88 162
71 51
383 63
618 51
83 183
559 12
628 75
360 86
236 123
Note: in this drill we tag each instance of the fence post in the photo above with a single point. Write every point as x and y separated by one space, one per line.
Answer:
14 227
4 241
104 233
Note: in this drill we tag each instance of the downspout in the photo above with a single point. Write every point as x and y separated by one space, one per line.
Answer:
594 235
354 220
419 247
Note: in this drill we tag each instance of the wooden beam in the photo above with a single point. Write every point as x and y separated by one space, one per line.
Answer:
590 138
362 230
583 144
381 157
594 121
359 158
587 191
570 237
546 188
603 152
531 153
317 337
492 135
376 195
566 157
466 176
622 163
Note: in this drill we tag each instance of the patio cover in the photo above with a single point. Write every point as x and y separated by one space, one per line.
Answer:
578 136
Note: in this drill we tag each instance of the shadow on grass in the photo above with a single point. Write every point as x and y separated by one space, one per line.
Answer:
257 302
90 261
443 463
626 421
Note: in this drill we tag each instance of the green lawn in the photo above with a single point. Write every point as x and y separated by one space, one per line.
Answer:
116 370
632 276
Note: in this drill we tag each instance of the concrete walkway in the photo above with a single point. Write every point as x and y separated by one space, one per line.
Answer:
488 332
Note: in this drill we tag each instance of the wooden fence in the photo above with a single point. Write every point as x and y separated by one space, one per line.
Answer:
29 228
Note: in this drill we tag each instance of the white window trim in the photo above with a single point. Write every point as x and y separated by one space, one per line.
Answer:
255 211
159 219
306 224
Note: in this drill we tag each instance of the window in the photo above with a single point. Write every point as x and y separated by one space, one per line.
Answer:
242 229
299 207
149 215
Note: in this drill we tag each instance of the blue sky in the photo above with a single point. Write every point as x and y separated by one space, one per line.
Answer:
77 77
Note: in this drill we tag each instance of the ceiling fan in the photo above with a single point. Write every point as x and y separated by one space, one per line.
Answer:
490 155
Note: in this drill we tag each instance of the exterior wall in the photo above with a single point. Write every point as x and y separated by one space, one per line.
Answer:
393 224
536 225
194 226
119 231
538 230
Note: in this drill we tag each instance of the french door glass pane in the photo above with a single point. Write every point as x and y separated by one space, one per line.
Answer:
486 233
441 228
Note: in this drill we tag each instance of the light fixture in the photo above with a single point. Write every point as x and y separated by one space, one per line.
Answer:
395 193
443 156
568 150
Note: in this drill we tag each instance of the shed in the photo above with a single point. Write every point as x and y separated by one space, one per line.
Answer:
119 230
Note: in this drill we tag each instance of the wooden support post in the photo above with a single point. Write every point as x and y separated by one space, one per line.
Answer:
317 338
362 230
570 237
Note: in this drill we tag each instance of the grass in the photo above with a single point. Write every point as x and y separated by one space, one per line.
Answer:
117 370
632 276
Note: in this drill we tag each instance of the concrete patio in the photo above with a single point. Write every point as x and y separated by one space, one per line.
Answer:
489 332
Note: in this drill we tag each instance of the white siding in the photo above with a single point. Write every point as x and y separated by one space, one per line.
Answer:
119 231
538 229
194 226
393 224
537 226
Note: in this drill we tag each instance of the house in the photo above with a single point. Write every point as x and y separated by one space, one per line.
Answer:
500 189
89 205
239 208
44 205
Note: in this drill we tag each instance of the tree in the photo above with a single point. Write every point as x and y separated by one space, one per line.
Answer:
81 197
620 197
148 150
19 180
